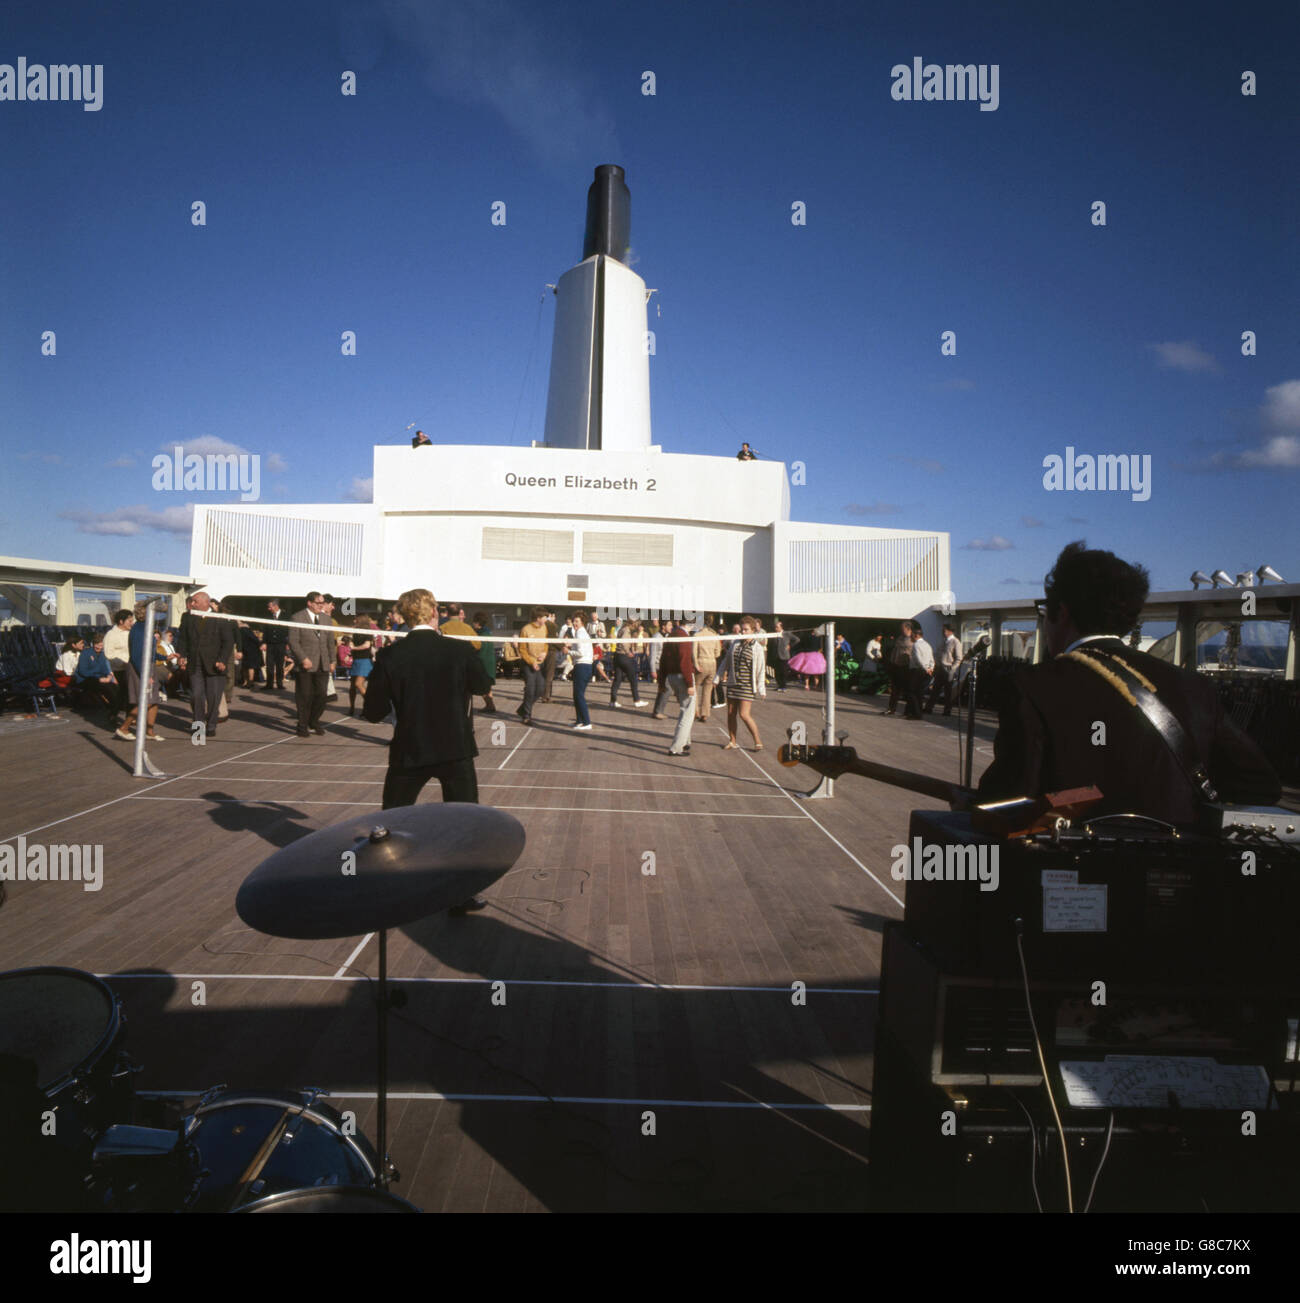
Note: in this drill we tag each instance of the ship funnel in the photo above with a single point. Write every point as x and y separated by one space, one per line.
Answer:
609 215
599 395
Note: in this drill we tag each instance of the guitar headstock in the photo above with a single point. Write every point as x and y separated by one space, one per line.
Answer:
830 762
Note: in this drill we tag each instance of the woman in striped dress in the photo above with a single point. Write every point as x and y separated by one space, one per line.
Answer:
745 675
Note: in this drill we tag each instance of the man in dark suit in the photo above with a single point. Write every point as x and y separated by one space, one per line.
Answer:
276 638
314 646
1070 722
205 647
429 682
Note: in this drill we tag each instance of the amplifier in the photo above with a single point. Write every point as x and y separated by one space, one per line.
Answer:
936 1150
1201 1043
960 1118
1101 907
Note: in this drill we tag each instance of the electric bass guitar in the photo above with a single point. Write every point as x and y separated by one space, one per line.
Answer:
1018 817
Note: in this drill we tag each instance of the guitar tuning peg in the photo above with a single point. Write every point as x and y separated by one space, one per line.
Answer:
842 736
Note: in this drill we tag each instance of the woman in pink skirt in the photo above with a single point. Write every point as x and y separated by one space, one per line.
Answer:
809 665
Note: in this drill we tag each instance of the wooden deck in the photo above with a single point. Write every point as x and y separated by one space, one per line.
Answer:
627 993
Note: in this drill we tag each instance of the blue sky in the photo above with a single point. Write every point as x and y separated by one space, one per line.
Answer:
372 213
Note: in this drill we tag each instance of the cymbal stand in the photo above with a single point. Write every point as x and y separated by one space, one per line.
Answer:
387 1171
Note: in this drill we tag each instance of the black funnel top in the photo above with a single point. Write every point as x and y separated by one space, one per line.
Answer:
609 214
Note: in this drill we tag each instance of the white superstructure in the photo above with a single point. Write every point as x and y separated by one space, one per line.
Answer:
595 515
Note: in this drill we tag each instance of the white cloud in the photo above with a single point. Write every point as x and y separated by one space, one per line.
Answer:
512 58
872 509
1280 411
1030 522
362 490
209 445
1282 405
122 461
1184 355
994 544
1281 452
927 464
134 520
203 445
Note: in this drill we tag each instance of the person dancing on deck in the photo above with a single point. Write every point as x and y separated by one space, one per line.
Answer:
583 661
745 675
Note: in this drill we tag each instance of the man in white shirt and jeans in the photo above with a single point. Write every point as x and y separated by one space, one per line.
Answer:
920 669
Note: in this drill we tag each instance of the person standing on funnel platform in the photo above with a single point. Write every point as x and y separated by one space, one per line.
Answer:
428 681
206 647
314 647
1047 721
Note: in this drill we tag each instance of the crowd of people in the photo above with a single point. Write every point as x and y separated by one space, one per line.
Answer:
426 685
206 665
206 661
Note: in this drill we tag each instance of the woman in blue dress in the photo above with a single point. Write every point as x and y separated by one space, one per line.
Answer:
363 651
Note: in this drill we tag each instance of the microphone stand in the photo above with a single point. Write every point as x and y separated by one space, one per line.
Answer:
973 680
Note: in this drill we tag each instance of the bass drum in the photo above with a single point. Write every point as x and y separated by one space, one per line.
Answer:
253 1145
339 1199
63 1081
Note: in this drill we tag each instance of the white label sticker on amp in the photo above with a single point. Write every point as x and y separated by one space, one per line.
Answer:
1069 906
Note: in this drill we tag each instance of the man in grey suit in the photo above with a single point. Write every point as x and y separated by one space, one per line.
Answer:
314 646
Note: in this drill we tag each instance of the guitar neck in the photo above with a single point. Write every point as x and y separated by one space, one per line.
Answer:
922 784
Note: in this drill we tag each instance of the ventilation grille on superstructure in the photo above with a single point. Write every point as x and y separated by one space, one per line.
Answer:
246 540
612 549
872 565
527 544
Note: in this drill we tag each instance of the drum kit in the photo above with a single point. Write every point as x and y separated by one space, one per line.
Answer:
73 1139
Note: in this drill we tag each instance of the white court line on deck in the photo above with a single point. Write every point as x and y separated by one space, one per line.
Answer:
479 981
347 963
515 748
434 1096
564 809
808 814
521 787
155 785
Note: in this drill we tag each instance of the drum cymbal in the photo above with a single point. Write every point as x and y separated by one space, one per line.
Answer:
380 870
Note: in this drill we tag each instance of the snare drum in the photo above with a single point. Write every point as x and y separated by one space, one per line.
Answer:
60 1046
257 1144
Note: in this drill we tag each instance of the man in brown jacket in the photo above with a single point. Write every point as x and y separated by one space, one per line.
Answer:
532 649
314 646
708 651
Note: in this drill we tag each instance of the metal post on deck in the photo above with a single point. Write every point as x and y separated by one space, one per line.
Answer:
143 768
826 788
